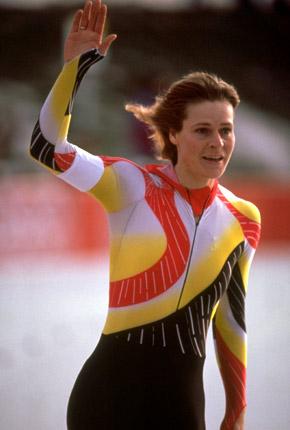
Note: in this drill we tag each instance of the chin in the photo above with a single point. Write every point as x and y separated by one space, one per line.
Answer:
215 175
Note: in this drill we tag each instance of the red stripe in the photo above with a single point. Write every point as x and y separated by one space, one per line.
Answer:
108 161
234 378
251 228
164 273
64 161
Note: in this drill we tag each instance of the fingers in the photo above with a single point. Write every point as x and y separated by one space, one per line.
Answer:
90 22
86 15
96 6
93 18
76 21
99 29
100 22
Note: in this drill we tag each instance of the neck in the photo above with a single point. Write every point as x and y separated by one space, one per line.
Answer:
188 181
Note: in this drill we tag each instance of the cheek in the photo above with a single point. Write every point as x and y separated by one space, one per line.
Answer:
231 147
184 148
233 141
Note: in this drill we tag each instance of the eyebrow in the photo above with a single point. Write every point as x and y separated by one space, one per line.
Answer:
209 124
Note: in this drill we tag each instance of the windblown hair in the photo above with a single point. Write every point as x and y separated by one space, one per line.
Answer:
169 110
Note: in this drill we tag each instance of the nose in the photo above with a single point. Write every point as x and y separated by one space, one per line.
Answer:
217 140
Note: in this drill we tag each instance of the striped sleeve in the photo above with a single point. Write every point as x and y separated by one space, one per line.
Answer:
115 182
49 137
229 329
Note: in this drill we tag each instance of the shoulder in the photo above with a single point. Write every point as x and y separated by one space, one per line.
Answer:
245 207
117 161
123 167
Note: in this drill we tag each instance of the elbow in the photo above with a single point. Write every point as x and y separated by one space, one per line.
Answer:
40 149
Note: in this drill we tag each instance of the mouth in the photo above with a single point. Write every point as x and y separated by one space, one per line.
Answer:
215 158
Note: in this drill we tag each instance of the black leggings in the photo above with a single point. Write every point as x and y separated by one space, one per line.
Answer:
125 386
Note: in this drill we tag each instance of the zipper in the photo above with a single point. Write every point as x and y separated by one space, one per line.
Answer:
192 246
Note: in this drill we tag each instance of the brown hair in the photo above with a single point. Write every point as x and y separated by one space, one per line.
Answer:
169 109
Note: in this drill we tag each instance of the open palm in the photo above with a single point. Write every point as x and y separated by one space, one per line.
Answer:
87 31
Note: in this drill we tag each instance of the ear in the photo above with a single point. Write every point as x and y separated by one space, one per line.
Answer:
172 137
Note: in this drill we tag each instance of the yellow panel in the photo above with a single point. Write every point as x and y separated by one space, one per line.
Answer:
248 209
245 264
209 267
234 341
62 89
63 132
107 190
133 316
135 254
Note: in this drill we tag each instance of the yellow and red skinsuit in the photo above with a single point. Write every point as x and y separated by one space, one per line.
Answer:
163 263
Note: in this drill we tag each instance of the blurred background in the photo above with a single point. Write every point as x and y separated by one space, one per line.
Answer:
53 239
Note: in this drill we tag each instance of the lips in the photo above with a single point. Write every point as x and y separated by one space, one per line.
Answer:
213 158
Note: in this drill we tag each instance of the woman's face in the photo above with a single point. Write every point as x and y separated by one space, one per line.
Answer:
205 143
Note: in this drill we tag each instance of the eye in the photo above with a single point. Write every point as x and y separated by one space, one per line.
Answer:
203 131
226 131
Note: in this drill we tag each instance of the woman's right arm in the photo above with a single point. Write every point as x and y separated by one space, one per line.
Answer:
84 46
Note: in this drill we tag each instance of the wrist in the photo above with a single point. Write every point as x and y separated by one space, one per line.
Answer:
93 54
234 421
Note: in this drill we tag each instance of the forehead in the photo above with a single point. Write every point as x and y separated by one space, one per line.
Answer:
210 112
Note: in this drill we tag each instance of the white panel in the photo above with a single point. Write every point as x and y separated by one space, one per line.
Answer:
85 171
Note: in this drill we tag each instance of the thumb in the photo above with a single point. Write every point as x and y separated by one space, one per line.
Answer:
103 49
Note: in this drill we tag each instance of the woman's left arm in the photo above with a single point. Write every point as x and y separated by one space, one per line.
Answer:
229 329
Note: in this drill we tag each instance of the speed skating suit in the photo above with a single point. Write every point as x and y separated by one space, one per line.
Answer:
179 259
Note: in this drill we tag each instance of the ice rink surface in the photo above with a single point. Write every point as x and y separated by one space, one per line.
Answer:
52 310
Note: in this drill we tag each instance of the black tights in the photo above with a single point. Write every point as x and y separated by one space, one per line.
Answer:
124 386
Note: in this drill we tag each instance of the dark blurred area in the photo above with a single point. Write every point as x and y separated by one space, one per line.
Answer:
245 43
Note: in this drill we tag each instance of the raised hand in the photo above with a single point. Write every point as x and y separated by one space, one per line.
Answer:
87 31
